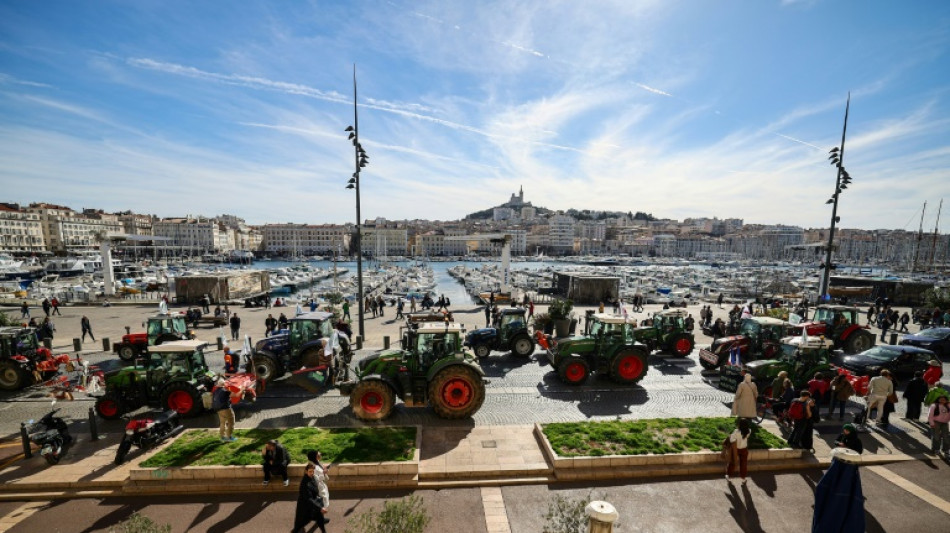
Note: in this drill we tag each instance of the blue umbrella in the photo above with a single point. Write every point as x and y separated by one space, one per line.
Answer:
839 500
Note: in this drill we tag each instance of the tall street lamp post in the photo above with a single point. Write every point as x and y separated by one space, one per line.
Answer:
836 157
354 183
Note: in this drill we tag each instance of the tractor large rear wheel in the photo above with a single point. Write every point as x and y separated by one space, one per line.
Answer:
629 366
13 376
858 342
522 345
680 344
265 367
456 392
574 370
372 400
183 398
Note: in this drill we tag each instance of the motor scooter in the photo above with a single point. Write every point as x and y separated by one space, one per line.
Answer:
148 431
51 435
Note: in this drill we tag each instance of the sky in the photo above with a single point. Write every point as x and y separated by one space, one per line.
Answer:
681 109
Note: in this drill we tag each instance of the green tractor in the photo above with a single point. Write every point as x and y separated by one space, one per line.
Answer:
172 375
667 333
430 369
801 358
609 345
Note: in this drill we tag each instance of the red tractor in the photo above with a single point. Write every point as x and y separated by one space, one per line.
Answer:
158 329
23 361
840 324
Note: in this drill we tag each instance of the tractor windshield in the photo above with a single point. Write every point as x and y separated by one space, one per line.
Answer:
302 331
26 343
437 345
824 315
511 320
623 331
750 328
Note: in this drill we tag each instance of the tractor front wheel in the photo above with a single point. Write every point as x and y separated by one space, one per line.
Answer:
127 353
522 345
372 400
12 376
182 398
482 351
574 370
265 367
680 344
456 392
109 407
628 367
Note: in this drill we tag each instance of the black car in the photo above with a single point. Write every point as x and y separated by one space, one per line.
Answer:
936 340
900 360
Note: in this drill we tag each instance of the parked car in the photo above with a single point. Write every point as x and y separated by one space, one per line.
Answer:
936 340
899 359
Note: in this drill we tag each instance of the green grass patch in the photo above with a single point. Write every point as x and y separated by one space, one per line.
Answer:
651 436
338 445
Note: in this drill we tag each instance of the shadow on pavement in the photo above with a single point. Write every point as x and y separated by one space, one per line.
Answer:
743 509
106 522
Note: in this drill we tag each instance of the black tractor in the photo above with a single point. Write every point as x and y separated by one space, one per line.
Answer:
511 335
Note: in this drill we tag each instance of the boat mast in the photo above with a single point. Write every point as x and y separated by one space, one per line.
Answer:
920 236
933 247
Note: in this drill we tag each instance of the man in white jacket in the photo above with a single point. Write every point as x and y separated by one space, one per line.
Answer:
879 388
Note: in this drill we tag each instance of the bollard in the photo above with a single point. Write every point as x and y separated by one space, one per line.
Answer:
601 516
25 437
893 339
77 345
105 344
93 429
128 330
220 343
385 342
359 342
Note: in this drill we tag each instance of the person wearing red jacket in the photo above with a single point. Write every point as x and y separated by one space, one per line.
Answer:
933 373
818 387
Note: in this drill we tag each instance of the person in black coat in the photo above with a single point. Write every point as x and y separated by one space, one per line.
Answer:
309 503
276 460
914 394
849 439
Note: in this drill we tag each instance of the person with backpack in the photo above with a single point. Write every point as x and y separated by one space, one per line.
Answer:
818 387
800 411
841 392
939 418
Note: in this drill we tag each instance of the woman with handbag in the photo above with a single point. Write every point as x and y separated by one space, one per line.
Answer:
310 505
738 455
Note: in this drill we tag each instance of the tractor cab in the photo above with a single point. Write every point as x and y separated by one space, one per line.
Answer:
433 341
611 329
511 321
17 341
166 327
309 326
670 320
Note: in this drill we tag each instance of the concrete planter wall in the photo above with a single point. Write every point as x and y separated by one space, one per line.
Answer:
342 475
650 465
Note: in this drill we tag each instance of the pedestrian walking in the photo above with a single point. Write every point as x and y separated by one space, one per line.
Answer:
870 315
719 300
372 306
235 326
885 325
891 403
530 308
879 388
24 310
221 404
841 391
905 319
412 304
938 419
381 304
55 303
270 324
46 306
310 504
275 462
346 309
487 316
206 304
915 393
740 440
400 305
744 402
86 328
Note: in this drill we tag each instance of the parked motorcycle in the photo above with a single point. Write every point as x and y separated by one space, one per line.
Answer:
51 435
147 432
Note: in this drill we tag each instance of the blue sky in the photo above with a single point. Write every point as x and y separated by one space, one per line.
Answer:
677 108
